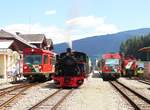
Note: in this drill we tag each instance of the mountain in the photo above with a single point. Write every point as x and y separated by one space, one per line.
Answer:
95 46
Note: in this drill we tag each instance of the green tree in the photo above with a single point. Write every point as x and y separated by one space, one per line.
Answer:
132 45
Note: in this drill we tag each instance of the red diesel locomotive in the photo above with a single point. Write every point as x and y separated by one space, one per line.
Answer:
129 66
71 69
38 64
110 66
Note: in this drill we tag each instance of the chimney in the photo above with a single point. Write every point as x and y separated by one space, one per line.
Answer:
18 33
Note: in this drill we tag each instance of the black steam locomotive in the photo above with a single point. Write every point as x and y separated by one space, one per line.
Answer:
71 69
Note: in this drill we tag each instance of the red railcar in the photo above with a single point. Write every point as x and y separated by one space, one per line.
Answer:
129 66
71 70
111 66
38 64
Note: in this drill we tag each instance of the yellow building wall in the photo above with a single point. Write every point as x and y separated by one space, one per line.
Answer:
8 60
2 65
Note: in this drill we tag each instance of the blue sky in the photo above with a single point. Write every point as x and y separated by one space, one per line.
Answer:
76 18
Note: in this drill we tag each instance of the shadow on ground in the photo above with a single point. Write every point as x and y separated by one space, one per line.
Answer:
96 75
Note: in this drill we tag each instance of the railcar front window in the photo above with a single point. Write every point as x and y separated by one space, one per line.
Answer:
112 61
33 59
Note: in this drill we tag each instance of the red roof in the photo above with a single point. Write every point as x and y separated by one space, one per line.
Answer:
111 55
36 50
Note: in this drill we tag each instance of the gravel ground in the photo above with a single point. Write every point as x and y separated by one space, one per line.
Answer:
5 83
139 87
8 82
33 96
95 95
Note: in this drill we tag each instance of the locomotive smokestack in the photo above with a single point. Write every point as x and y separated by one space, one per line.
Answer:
69 51
70 44
69 41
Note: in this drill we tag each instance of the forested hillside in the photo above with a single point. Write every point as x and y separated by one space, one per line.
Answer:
95 46
132 45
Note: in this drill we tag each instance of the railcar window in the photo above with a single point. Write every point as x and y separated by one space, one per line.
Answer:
112 61
45 59
50 61
53 60
33 59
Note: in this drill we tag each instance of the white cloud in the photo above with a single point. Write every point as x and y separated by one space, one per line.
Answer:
50 12
90 26
77 28
85 22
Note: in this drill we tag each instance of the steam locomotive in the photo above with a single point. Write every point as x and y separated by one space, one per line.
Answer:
71 69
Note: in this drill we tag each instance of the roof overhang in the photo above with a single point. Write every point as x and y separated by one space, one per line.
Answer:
5 44
35 42
144 49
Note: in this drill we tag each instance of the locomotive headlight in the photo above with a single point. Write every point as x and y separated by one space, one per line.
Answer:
25 67
32 50
79 82
106 68
40 67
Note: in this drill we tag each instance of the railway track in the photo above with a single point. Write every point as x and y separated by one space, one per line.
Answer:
137 101
53 101
11 88
8 95
145 82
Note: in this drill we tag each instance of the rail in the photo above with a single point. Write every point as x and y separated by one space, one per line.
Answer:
11 89
138 101
145 82
59 102
11 97
56 105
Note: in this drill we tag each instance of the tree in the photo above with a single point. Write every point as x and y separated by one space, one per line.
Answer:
132 45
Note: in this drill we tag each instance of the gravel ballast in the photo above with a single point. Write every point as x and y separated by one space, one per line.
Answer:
94 94
137 86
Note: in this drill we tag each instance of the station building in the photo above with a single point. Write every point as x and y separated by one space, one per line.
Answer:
38 40
11 47
146 63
